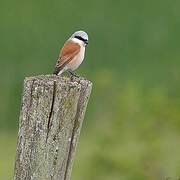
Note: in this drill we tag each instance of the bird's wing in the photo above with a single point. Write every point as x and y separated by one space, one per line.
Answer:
67 53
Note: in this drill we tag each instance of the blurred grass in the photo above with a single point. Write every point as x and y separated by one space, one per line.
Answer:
7 154
132 125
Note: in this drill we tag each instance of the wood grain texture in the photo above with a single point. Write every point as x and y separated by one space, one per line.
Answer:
51 117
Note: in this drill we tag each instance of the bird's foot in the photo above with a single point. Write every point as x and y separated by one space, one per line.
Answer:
72 74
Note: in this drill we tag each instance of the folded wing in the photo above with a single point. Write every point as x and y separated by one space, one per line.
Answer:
67 53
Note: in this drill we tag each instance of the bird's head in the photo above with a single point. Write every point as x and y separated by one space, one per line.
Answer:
81 37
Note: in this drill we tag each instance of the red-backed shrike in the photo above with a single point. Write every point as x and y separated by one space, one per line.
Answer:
72 53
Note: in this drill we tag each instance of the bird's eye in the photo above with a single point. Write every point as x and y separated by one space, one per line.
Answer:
80 38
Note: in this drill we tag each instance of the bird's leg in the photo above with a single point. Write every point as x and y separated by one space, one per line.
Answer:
73 74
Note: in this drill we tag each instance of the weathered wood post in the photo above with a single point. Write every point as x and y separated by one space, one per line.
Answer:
51 116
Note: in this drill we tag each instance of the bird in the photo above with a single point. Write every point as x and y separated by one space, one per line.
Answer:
72 53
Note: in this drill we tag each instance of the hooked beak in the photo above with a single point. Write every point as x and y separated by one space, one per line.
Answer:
86 42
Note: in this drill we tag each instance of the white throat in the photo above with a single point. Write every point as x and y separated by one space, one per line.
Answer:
81 43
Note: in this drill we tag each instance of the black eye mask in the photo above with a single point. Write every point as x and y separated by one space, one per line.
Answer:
82 39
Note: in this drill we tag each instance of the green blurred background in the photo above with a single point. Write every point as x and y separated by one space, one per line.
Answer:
132 126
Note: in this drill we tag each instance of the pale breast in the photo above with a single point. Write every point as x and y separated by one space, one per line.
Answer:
77 60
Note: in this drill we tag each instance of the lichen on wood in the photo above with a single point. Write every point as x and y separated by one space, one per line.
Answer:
51 117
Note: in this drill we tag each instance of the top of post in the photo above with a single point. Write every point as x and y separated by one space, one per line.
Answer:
60 79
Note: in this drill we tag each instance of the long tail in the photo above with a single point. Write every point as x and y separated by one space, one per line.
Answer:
58 70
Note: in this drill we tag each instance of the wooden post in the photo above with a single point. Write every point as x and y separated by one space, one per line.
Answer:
51 116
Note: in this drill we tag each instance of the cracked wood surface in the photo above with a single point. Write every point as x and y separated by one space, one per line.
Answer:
51 117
